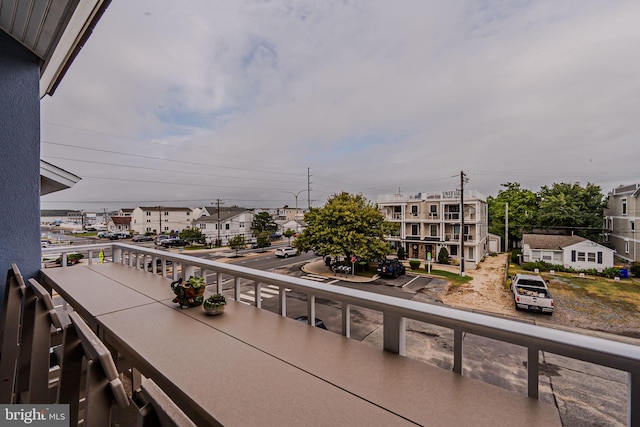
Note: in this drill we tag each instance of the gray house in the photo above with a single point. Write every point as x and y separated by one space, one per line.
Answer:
570 251
621 219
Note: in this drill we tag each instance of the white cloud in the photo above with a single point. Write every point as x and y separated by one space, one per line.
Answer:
371 95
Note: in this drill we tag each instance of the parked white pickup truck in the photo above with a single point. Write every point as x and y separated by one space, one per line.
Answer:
530 292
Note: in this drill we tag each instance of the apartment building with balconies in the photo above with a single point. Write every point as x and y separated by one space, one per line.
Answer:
620 221
429 221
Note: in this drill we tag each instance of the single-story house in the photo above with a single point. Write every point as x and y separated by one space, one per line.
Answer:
570 251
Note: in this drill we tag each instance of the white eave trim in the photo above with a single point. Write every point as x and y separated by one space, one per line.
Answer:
79 23
61 176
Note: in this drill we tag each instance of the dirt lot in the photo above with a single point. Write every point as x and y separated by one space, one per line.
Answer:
575 307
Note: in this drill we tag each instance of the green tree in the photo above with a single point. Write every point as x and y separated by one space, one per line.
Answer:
236 243
572 207
346 225
262 239
263 221
443 256
523 209
288 233
192 235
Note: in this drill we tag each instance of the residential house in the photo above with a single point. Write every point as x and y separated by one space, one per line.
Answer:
430 221
283 214
160 219
119 223
224 224
294 225
570 251
621 219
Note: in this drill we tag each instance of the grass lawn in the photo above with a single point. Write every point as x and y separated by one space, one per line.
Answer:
623 294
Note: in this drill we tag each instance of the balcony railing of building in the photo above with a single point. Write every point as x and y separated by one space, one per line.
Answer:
396 312
426 196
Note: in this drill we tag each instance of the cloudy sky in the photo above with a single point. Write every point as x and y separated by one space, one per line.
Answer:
182 103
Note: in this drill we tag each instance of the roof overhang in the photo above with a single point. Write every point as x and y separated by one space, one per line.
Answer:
53 30
53 179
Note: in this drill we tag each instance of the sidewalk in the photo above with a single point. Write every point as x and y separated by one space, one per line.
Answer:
318 268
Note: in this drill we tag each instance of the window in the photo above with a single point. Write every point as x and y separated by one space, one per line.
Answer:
470 253
591 257
632 225
414 229
414 210
166 229
166 213
188 213
624 206
599 257
454 250
203 226
433 210
535 255
547 256
148 220
226 226
433 230
581 256
148 229
242 225
626 246
148 213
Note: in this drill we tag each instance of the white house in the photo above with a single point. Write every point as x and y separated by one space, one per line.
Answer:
226 223
570 251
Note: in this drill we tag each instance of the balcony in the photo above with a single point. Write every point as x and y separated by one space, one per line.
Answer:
299 380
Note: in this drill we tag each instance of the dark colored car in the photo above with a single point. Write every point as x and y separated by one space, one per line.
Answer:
257 246
168 243
319 323
392 268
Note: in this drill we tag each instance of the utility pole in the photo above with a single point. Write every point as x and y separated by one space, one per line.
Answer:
309 188
462 180
506 227
218 241
159 220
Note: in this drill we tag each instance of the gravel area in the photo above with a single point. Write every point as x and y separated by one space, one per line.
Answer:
486 292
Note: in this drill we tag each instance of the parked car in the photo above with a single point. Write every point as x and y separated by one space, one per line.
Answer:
319 323
80 231
286 252
102 234
257 246
162 237
119 235
392 268
168 243
142 238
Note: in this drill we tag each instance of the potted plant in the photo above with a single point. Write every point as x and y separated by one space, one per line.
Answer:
189 293
215 304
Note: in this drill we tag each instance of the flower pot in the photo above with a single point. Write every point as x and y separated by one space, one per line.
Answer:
213 309
186 294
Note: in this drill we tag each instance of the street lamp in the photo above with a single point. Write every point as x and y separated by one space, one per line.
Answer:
296 197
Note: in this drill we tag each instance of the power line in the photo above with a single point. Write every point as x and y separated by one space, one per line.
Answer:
143 156
165 170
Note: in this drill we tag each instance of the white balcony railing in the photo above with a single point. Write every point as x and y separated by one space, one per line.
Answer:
396 311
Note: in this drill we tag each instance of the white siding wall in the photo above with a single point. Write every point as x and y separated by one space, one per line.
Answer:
586 256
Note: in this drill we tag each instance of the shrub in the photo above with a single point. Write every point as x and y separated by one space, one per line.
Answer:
635 269
401 254
443 256
414 264
514 256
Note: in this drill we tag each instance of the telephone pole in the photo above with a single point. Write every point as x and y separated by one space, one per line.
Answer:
218 241
463 178
159 220
309 188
